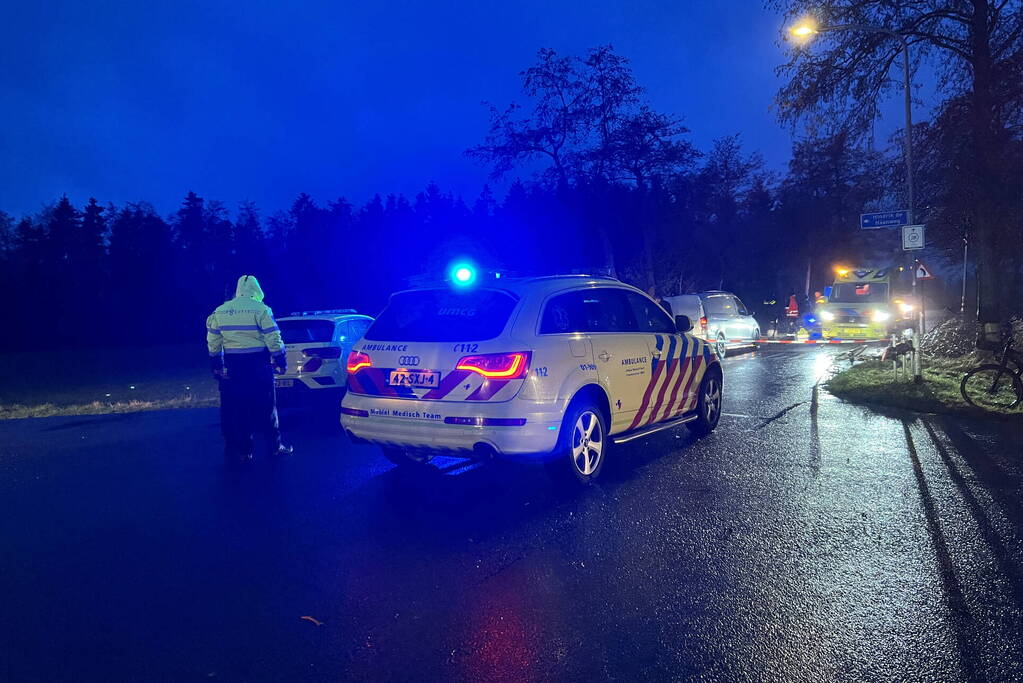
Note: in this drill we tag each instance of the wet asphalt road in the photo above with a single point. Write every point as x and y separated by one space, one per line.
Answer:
806 539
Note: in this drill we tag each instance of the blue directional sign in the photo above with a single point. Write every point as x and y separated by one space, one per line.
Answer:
883 219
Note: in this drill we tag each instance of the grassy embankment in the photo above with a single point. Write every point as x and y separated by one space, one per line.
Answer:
98 381
875 383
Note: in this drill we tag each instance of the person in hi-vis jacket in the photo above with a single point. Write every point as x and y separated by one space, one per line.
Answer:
245 348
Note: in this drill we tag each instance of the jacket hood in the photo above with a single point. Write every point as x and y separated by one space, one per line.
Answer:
248 286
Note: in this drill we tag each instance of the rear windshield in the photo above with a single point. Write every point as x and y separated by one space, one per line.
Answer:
683 304
442 315
719 305
859 293
306 331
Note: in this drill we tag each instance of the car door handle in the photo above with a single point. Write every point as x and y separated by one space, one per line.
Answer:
604 356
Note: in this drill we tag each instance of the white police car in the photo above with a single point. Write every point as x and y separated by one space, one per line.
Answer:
552 368
316 343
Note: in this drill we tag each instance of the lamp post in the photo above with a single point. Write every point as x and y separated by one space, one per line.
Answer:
807 30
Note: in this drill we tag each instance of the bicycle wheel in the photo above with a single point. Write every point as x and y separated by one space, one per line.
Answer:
992 387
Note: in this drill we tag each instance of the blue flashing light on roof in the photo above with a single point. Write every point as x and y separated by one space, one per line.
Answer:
463 274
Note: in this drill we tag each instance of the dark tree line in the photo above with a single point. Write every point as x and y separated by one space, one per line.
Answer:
616 186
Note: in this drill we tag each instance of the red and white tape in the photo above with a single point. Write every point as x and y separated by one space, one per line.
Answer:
800 341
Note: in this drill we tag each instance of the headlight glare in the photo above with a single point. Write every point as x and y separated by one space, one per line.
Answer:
827 315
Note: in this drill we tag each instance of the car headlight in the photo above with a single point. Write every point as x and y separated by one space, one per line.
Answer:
880 316
827 315
906 308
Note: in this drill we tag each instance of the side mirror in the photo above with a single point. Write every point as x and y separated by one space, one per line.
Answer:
683 323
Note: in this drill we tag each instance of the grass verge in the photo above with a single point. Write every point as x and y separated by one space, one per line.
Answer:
875 383
100 381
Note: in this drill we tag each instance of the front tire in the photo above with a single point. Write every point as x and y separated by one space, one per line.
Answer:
582 445
708 406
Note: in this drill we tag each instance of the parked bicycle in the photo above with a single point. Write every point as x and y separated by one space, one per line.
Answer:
996 386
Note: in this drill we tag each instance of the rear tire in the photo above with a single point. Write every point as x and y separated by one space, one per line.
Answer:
708 405
582 447
720 347
977 385
402 458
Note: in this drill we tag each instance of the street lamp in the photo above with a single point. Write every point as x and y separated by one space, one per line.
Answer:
807 28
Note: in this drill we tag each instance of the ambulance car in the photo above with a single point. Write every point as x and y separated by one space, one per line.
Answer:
859 305
557 369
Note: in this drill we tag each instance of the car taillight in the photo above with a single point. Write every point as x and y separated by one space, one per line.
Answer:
357 360
323 352
703 324
497 365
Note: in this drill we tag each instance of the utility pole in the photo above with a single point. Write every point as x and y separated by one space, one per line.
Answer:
917 291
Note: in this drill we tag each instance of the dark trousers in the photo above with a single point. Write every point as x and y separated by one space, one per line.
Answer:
248 404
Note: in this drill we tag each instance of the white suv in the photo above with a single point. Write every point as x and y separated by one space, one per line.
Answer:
317 343
551 368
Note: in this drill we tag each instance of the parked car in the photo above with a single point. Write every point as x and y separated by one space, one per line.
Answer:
317 344
718 317
553 369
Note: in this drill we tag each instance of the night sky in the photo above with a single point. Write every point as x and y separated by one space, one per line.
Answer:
262 100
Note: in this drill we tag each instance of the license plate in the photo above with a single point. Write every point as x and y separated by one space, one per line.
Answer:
414 378
284 383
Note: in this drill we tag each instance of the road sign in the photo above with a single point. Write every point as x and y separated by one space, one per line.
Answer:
883 219
912 237
923 272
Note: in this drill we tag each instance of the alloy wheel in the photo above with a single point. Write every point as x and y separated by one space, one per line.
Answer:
587 443
712 400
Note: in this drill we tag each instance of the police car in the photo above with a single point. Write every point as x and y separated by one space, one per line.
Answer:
317 343
549 368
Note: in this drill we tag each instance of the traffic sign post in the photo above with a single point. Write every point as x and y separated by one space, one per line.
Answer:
912 237
883 219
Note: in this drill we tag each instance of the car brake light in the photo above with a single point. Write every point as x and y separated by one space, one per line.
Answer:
323 352
497 365
357 360
703 323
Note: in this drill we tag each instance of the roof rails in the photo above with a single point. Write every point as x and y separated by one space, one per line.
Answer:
329 311
584 275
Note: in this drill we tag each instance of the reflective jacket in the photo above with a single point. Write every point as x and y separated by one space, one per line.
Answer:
244 324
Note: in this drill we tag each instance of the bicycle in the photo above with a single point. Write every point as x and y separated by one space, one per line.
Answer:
995 386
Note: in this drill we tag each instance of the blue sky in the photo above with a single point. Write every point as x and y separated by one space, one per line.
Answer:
262 100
